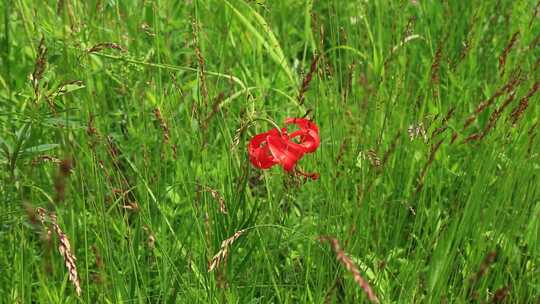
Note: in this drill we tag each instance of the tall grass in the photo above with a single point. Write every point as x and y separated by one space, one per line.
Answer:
429 157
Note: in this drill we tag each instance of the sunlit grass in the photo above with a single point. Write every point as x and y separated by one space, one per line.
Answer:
130 121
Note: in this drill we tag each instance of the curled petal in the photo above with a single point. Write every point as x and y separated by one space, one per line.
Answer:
309 140
303 123
278 147
308 133
259 152
285 152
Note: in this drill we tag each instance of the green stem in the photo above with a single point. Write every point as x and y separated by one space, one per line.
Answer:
170 67
268 121
7 45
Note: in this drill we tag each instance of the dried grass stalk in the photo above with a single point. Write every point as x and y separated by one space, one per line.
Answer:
373 158
67 254
151 241
517 112
489 259
514 81
351 267
202 65
215 195
506 51
434 148
223 253
535 13
42 215
492 120
307 79
39 68
500 295
239 132
106 45
60 181
444 124
45 159
417 130
436 65
162 125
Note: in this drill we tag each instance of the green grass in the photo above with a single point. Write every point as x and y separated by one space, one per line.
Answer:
423 226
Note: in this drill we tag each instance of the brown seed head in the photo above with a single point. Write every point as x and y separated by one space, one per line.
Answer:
350 266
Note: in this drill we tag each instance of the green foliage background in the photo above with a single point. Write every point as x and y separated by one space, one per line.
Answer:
421 218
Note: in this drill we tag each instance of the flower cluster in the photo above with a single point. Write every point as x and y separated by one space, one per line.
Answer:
279 147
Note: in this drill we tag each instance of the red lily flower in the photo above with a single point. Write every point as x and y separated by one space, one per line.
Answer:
275 147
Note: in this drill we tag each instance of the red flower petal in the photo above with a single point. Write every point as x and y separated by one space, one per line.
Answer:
309 133
272 147
259 153
286 152
303 123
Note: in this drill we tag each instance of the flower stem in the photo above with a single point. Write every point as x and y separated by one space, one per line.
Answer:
268 121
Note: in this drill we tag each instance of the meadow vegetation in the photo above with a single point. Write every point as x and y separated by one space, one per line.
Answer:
125 176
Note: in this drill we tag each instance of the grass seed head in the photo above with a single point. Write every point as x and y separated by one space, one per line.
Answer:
518 111
39 68
65 251
307 79
342 257
221 256
105 45
162 125
506 51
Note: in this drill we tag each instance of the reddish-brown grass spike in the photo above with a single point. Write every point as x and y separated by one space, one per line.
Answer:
91 128
500 295
489 259
514 81
307 79
448 115
162 125
435 66
106 45
486 263
434 149
506 51
97 255
348 84
535 13
60 180
532 134
351 267
454 137
497 114
473 137
468 40
444 123
39 68
342 149
518 111
201 62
